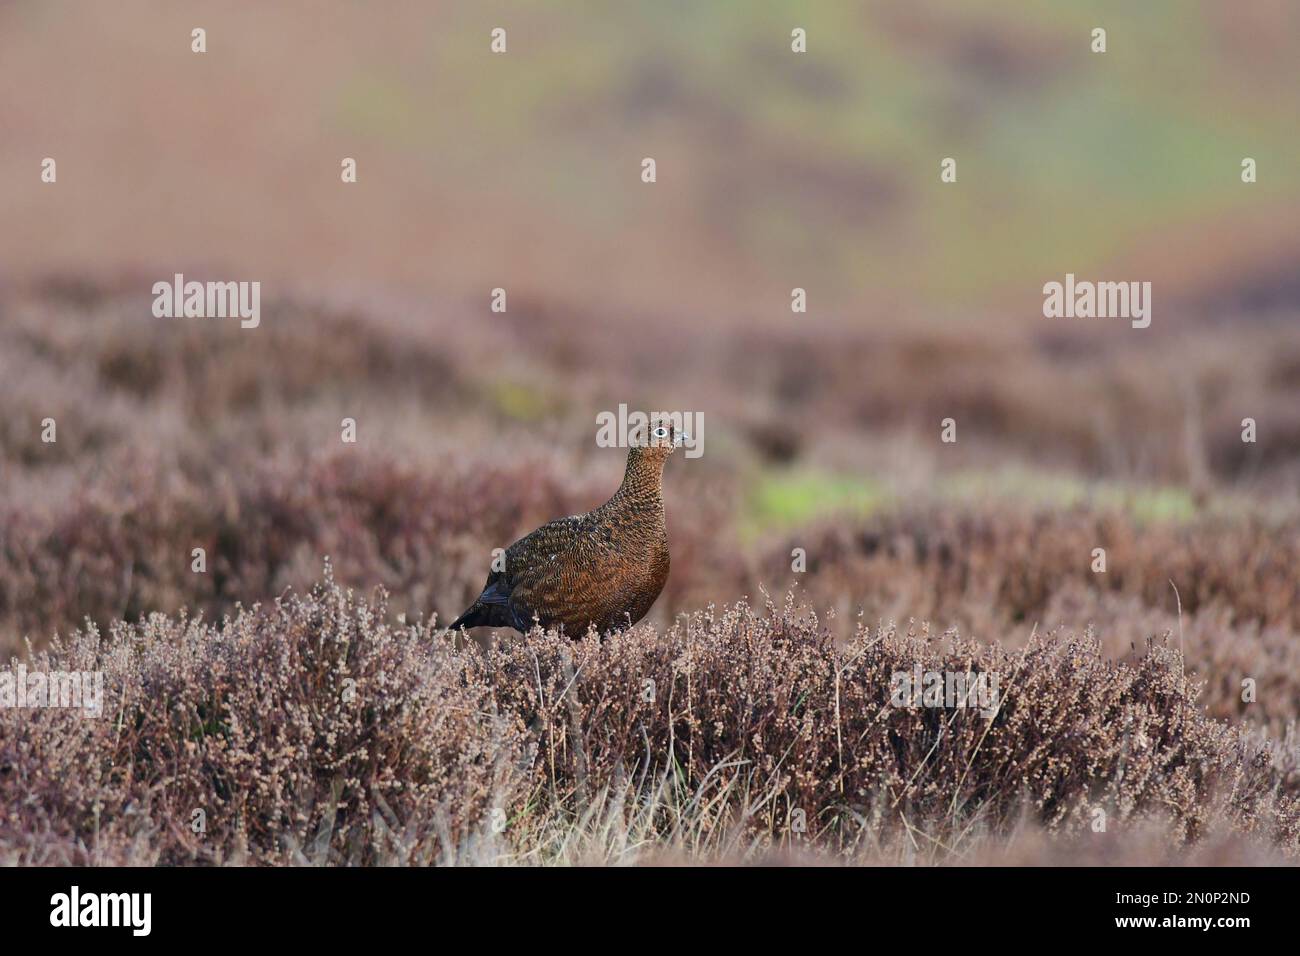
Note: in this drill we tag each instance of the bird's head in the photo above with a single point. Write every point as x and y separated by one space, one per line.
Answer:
656 442
664 434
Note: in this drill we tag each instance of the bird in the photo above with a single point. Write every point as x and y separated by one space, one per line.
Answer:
603 569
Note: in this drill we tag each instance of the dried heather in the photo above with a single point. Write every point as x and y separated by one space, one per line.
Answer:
307 732
313 731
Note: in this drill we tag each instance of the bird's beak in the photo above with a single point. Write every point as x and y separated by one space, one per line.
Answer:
681 439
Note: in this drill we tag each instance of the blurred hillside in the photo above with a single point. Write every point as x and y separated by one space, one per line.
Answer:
775 170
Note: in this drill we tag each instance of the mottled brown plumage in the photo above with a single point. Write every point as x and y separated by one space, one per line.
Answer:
602 569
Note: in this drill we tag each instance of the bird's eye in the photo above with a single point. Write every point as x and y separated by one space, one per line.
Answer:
661 432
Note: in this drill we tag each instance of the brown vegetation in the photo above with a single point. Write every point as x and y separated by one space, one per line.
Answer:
314 731
184 438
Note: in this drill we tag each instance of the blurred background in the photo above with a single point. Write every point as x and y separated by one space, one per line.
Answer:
775 170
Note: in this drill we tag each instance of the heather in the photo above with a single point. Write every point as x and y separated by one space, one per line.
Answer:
121 546
312 730
311 721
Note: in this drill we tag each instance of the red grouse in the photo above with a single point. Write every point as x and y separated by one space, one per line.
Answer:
603 569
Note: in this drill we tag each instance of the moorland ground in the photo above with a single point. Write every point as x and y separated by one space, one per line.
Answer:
1123 689
316 725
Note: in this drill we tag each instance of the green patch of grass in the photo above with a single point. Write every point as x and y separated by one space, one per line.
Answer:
519 402
1153 503
786 499
1166 503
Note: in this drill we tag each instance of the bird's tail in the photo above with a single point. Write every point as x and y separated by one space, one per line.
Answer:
482 614
468 619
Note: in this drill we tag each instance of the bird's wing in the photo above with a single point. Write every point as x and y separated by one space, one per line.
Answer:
528 558
508 597
534 559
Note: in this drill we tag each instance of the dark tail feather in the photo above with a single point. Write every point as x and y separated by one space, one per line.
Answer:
488 615
469 619
491 608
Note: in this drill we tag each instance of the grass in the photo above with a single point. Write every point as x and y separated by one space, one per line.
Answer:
1146 503
780 500
518 401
